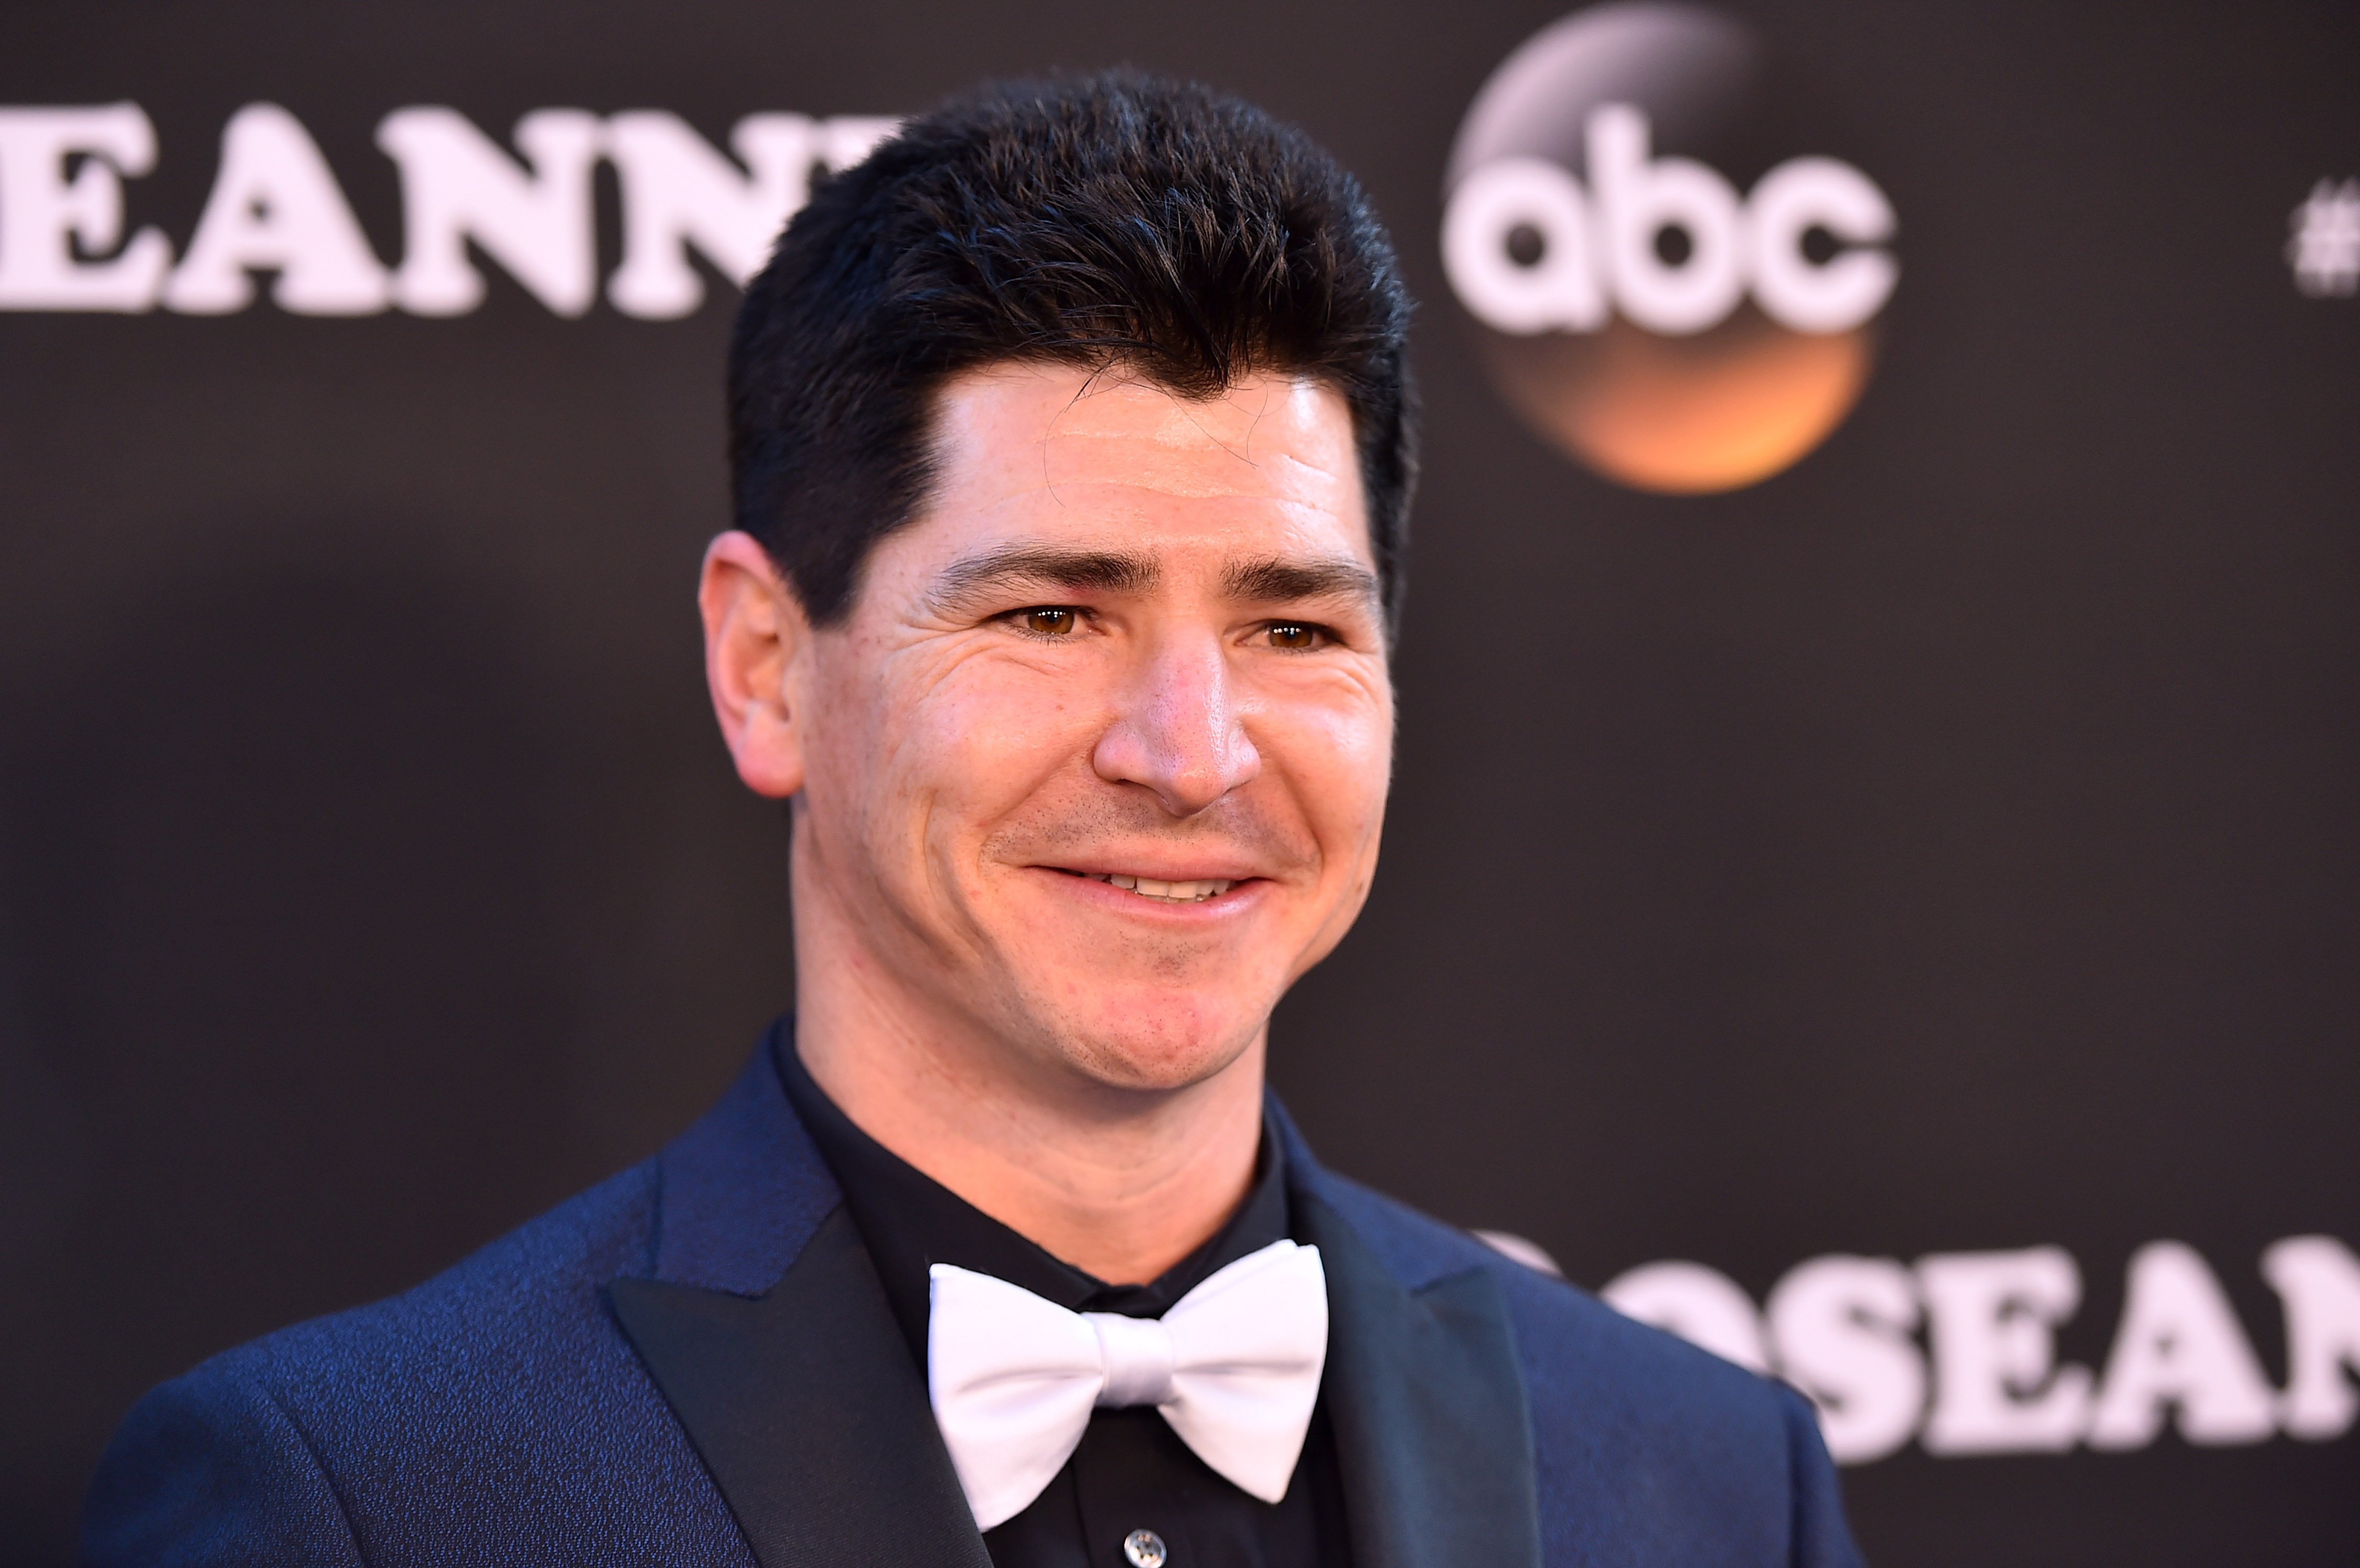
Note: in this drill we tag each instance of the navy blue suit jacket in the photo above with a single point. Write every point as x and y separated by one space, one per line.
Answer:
694 1363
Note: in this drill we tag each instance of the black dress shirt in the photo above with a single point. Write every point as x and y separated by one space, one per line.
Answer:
1131 1472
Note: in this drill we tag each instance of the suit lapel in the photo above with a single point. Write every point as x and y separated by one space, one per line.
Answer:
808 1411
1432 1435
768 1333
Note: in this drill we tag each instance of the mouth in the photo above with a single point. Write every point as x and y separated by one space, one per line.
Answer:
1192 892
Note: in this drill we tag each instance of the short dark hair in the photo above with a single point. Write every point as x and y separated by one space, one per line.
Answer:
1115 220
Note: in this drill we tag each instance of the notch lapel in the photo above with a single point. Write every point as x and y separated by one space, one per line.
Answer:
806 1408
1432 1433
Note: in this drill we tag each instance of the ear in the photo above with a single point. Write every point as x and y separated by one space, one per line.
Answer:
755 640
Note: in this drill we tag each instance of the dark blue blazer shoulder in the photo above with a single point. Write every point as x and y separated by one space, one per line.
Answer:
693 1363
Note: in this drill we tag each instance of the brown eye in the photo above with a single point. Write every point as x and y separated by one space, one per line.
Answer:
1294 636
1049 622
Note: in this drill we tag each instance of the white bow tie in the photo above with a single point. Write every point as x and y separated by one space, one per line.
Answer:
1234 1367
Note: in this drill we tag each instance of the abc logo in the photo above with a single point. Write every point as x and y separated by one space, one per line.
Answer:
1672 330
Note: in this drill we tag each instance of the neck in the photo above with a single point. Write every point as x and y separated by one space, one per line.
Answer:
1121 1182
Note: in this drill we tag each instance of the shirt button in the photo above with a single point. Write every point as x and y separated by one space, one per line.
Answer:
1143 1549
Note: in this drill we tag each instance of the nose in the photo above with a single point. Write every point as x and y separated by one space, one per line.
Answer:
1178 731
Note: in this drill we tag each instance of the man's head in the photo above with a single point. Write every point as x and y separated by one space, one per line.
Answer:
1073 445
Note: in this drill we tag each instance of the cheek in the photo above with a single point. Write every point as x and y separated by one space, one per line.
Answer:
961 747
1341 754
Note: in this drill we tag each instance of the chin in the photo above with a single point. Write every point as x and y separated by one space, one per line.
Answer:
1159 1044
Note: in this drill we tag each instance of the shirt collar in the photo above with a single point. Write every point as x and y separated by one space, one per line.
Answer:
910 1221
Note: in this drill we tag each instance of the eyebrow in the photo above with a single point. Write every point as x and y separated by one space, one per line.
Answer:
1267 580
1273 579
1047 566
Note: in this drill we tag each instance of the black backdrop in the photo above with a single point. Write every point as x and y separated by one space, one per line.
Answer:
1946 845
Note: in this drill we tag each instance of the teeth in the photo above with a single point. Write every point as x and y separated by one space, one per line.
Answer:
1165 892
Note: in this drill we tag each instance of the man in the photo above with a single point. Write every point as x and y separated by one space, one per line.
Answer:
1072 444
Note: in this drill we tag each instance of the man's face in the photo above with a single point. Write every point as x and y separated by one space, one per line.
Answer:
1098 763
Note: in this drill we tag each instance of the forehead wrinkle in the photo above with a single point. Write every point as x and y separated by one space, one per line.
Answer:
1189 468
1188 412
1104 517
1178 430
1189 449
1067 489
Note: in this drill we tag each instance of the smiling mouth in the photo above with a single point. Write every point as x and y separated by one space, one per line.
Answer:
1162 892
